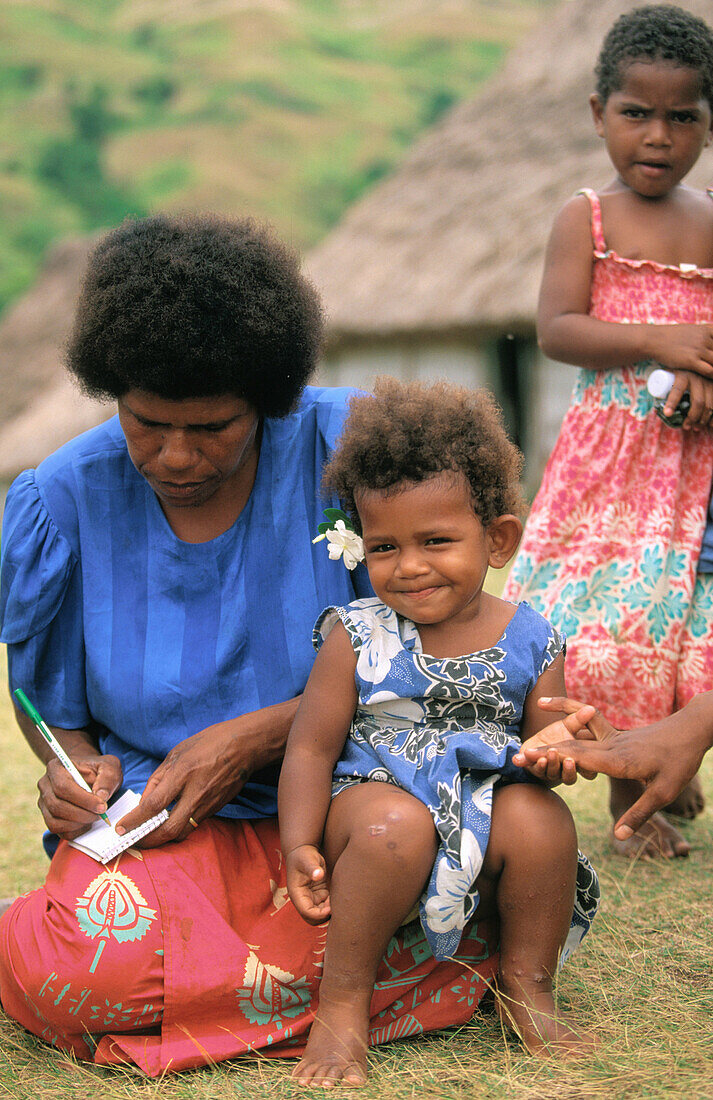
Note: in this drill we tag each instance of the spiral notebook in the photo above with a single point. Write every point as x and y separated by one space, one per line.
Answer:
102 843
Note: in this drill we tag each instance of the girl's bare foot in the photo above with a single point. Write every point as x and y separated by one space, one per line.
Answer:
657 839
337 1044
534 1018
690 802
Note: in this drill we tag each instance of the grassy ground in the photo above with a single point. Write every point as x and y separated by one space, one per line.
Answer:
642 982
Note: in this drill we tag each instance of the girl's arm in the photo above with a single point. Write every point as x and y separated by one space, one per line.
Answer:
567 333
314 744
539 728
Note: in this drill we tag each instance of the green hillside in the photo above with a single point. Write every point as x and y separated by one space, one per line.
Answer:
283 108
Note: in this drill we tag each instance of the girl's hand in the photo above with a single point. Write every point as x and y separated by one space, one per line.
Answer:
682 348
554 765
69 810
701 393
307 883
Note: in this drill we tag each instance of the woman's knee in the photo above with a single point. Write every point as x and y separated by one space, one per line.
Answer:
90 939
52 974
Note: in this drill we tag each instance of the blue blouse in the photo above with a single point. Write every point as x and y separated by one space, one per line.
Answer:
110 618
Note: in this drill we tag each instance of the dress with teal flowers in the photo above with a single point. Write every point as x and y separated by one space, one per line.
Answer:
445 730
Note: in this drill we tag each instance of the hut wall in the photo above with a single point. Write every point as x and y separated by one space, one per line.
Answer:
547 398
544 386
358 365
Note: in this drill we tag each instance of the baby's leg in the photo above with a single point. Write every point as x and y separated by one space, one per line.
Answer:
529 876
380 844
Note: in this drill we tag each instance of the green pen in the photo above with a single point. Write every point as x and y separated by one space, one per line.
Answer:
54 744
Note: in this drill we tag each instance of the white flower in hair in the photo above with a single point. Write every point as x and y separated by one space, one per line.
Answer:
342 540
345 544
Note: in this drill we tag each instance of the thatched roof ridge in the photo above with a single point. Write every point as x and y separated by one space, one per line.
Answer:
41 408
454 239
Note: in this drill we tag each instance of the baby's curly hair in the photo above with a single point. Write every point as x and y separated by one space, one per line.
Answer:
410 431
196 306
660 32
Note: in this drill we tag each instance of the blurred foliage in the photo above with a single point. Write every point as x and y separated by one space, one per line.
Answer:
288 112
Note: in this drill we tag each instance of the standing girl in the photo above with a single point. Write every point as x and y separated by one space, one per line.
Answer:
612 549
432 685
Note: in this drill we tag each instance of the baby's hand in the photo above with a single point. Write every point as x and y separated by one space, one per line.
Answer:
307 883
683 347
554 766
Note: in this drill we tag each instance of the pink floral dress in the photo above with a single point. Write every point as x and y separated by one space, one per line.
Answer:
611 547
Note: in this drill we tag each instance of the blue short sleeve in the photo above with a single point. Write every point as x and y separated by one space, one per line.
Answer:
37 563
329 619
40 608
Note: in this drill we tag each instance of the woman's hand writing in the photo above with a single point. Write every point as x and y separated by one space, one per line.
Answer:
67 809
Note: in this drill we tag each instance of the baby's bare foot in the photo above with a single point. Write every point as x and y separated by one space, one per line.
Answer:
657 839
690 802
337 1045
543 1031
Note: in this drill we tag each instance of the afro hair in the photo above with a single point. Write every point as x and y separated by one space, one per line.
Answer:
660 32
408 432
196 306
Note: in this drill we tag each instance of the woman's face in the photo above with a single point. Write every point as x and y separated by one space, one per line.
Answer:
190 450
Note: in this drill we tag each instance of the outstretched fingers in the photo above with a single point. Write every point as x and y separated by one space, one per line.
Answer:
590 723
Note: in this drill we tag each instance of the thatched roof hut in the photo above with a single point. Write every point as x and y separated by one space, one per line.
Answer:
435 271
41 408
453 241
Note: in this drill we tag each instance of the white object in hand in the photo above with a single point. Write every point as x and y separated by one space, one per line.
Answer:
659 382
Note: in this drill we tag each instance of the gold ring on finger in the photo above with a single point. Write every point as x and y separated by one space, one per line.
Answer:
193 823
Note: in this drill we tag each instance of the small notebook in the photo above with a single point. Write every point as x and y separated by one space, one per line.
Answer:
102 843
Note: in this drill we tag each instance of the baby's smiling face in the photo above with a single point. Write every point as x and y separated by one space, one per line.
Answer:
427 551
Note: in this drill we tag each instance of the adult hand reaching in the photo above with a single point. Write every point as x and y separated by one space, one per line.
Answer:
204 772
663 756
554 765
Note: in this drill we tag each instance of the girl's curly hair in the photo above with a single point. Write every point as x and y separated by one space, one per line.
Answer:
196 306
411 431
658 32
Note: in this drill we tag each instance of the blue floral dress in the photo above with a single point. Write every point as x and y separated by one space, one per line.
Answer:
445 730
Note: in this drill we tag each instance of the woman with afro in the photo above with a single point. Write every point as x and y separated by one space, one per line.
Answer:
159 589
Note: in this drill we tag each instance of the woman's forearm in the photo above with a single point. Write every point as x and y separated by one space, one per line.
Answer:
698 728
77 743
268 728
